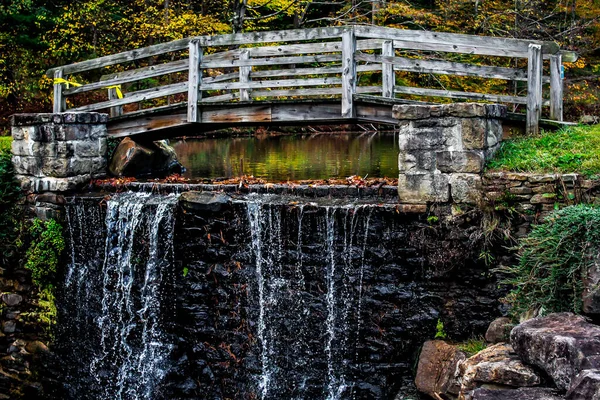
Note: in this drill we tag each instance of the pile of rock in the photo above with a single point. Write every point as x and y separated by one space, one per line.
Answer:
548 358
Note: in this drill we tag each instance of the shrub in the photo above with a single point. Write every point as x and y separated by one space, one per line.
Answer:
43 255
553 260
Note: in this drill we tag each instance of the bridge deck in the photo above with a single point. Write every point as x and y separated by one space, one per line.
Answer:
335 75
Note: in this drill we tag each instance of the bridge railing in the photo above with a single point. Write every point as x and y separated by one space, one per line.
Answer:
334 62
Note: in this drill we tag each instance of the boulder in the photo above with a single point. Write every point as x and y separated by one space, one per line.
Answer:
134 159
36 347
205 201
516 394
498 365
437 367
591 289
12 299
561 344
585 386
499 330
589 119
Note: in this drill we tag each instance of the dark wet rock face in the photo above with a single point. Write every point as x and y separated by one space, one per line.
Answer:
561 344
264 297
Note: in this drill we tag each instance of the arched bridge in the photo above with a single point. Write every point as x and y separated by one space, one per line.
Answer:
334 75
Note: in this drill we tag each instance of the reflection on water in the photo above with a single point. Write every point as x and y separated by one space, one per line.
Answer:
295 157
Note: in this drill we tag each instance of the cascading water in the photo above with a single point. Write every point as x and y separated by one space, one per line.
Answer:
205 296
287 349
118 293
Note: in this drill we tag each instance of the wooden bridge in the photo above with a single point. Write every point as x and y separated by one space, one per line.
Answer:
335 75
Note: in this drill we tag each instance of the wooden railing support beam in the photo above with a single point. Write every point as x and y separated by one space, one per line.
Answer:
58 104
194 81
534 89
556 88
348 73
387 70
244 75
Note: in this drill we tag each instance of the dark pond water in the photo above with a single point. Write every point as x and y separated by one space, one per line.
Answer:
291 157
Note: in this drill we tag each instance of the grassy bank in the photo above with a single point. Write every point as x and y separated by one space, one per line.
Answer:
5 142
572 149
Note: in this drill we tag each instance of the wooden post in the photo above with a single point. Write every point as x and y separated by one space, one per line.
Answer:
387 70
59 103
117 110
194 81
534 89
348 73
556 87
244 75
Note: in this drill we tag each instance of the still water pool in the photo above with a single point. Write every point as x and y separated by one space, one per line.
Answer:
290 157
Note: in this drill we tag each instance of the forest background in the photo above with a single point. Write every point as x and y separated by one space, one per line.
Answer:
38 34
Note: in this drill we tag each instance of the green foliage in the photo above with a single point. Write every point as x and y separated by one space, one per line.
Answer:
44 252
432 219
572 149
440 333
472 346
186 271
554 259
9 196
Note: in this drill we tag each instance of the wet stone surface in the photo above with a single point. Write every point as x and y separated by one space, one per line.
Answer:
279 298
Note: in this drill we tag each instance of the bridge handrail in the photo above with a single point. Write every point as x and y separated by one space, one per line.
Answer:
322 46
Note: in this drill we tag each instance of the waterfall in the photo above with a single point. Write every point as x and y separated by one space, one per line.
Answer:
288 357
123 283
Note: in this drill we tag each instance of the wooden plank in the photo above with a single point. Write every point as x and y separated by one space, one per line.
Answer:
272 36
312 92
298 112
122 57
244 76
388 78
460 95
556 88
348 73
222 97
273 83
445 67
311 71
117 110
377 113
501 45
249 114
534 89
568 56
174 108
140 95
57 104
194 80
318 58
146 125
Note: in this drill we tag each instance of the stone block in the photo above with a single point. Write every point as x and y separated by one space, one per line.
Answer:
460 161
466 188
543 198
25 165
411 111
12 299
87 148
494 132
87 165
465 110
417 160
50 184
499 330
421 188
474 133
495 110
542 178
56 167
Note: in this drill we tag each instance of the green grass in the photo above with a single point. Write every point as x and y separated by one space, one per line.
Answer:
572 149
5 143
472 346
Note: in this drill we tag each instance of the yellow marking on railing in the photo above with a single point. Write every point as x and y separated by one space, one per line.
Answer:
117 90
58 81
